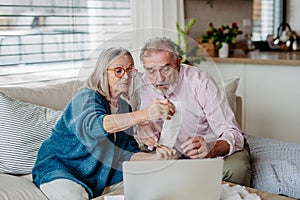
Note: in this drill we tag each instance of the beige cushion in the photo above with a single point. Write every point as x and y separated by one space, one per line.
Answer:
230 87
54 96
17 188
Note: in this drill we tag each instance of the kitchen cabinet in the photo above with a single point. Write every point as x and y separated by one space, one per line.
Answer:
270 88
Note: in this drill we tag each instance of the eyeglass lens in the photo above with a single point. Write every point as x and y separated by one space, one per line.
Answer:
120 71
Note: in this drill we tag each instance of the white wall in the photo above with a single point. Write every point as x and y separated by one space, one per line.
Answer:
229 11
293 14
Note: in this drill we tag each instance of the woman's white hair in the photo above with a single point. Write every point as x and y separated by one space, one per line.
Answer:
98 78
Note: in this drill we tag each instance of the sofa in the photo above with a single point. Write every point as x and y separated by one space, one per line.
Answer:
28 114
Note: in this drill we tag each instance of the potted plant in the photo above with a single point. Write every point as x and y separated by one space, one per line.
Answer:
224 34
187 55
182 35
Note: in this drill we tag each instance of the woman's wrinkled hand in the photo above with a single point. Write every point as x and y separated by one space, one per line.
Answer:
160 109
166 153
149 134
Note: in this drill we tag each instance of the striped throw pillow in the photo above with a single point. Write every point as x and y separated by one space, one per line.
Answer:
23 127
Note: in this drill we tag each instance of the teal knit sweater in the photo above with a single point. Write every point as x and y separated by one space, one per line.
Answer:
79 149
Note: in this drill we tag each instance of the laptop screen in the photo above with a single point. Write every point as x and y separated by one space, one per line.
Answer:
184 179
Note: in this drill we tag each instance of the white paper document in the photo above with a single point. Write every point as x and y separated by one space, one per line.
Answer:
115 197
172 127
236 192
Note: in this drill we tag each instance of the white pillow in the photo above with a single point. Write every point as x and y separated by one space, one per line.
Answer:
23 128
230 87
17 188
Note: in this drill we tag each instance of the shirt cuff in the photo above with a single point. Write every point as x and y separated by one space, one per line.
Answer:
228 137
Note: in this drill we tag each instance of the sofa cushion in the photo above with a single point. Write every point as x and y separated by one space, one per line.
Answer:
54 96
275 166
17 188
23 128
230 87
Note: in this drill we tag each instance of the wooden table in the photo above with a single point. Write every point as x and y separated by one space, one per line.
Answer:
263 195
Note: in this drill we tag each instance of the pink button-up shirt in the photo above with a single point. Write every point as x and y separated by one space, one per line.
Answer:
206 110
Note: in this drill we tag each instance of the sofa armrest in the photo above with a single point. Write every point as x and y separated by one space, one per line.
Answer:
18 188
238 111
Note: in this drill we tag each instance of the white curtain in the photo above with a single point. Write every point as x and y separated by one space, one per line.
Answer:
153 18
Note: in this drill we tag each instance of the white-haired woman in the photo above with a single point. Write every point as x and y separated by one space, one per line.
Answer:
84 154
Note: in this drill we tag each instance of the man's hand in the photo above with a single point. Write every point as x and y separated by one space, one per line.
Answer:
149 134
195 147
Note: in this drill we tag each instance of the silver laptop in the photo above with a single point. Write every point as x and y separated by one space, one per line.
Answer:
184 179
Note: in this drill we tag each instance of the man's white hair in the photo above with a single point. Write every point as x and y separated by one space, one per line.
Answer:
156 45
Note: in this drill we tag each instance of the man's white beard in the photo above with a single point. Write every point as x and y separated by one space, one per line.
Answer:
169 90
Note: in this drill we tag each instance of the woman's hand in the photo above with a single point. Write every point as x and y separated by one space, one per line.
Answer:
160 109
162 153
166 153
149 133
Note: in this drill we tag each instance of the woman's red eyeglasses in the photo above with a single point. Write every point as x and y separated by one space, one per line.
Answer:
120 71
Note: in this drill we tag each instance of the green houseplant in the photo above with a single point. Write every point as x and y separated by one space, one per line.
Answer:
182 36
187 55
225 34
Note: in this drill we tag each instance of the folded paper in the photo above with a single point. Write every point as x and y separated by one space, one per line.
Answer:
171 128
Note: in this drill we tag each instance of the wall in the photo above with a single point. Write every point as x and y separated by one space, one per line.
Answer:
293 14
222 12
227 11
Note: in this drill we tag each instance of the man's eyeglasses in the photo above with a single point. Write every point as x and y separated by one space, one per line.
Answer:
162 70
120 71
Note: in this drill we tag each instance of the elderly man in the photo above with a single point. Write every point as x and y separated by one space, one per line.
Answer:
208 127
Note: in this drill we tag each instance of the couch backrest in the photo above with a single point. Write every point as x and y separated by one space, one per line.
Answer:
55 96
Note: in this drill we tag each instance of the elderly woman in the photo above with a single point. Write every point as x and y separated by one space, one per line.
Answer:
84 154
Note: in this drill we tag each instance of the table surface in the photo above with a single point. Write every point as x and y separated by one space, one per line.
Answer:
263 195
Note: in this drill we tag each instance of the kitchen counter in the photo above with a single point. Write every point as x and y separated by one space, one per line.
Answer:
263 57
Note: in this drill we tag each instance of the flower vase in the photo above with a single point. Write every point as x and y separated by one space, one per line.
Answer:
224 50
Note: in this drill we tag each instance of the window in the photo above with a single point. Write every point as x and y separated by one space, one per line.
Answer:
267 16
56 31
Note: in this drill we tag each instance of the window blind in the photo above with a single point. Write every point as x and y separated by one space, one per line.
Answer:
48 31
266 18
